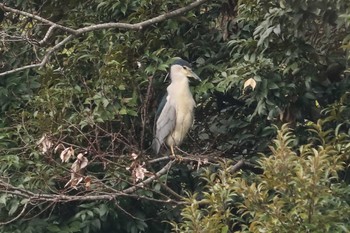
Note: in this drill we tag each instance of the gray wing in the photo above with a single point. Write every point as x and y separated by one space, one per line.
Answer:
164 125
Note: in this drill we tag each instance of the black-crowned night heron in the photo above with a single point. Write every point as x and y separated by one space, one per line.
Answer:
174 116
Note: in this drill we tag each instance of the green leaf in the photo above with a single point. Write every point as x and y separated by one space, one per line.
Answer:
224 229
14 206
96 223
102 210
53 228
123 111
3 199
122 87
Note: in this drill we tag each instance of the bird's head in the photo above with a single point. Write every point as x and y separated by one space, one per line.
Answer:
181 68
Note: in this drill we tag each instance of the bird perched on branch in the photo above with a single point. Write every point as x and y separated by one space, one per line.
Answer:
175 113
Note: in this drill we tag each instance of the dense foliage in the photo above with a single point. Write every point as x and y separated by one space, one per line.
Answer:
80 126
298 191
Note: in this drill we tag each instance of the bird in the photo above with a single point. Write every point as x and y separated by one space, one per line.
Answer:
175 113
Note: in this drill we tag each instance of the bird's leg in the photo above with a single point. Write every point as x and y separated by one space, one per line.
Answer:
172 151
177 157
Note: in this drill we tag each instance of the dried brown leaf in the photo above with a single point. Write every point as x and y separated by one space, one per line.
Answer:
66 154
87 181
77 171
83 161
139 172
59 146
45 143
134 156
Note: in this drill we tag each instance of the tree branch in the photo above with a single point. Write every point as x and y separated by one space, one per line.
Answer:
33 16
237 166
17 217
44 60
47 35
77 32
35 197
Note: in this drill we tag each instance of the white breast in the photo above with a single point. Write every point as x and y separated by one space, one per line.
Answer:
181 97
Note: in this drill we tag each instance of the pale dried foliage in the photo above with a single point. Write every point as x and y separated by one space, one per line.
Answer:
249 83
77 171
45 143
138 170
66 154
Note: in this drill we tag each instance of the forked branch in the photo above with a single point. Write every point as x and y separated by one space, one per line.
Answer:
77 32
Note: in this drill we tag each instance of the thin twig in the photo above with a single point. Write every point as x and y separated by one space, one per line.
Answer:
144 110
169 190
126 212
17 217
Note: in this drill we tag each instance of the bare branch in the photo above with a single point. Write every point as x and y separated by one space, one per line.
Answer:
210 158
161 172
141 25
33 16
53 49
237 166
35 197
44 61
47 35
77 32
126 212
172 192
20 69
17 217
144 110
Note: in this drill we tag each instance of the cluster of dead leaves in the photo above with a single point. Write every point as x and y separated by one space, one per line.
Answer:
138 170
45 144
77 171
66 153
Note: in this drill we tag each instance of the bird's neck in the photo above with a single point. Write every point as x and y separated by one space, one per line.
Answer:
179 79
180 88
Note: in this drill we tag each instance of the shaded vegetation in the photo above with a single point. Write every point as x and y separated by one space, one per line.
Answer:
263 64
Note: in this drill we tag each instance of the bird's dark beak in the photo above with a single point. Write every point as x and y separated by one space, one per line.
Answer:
194 75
